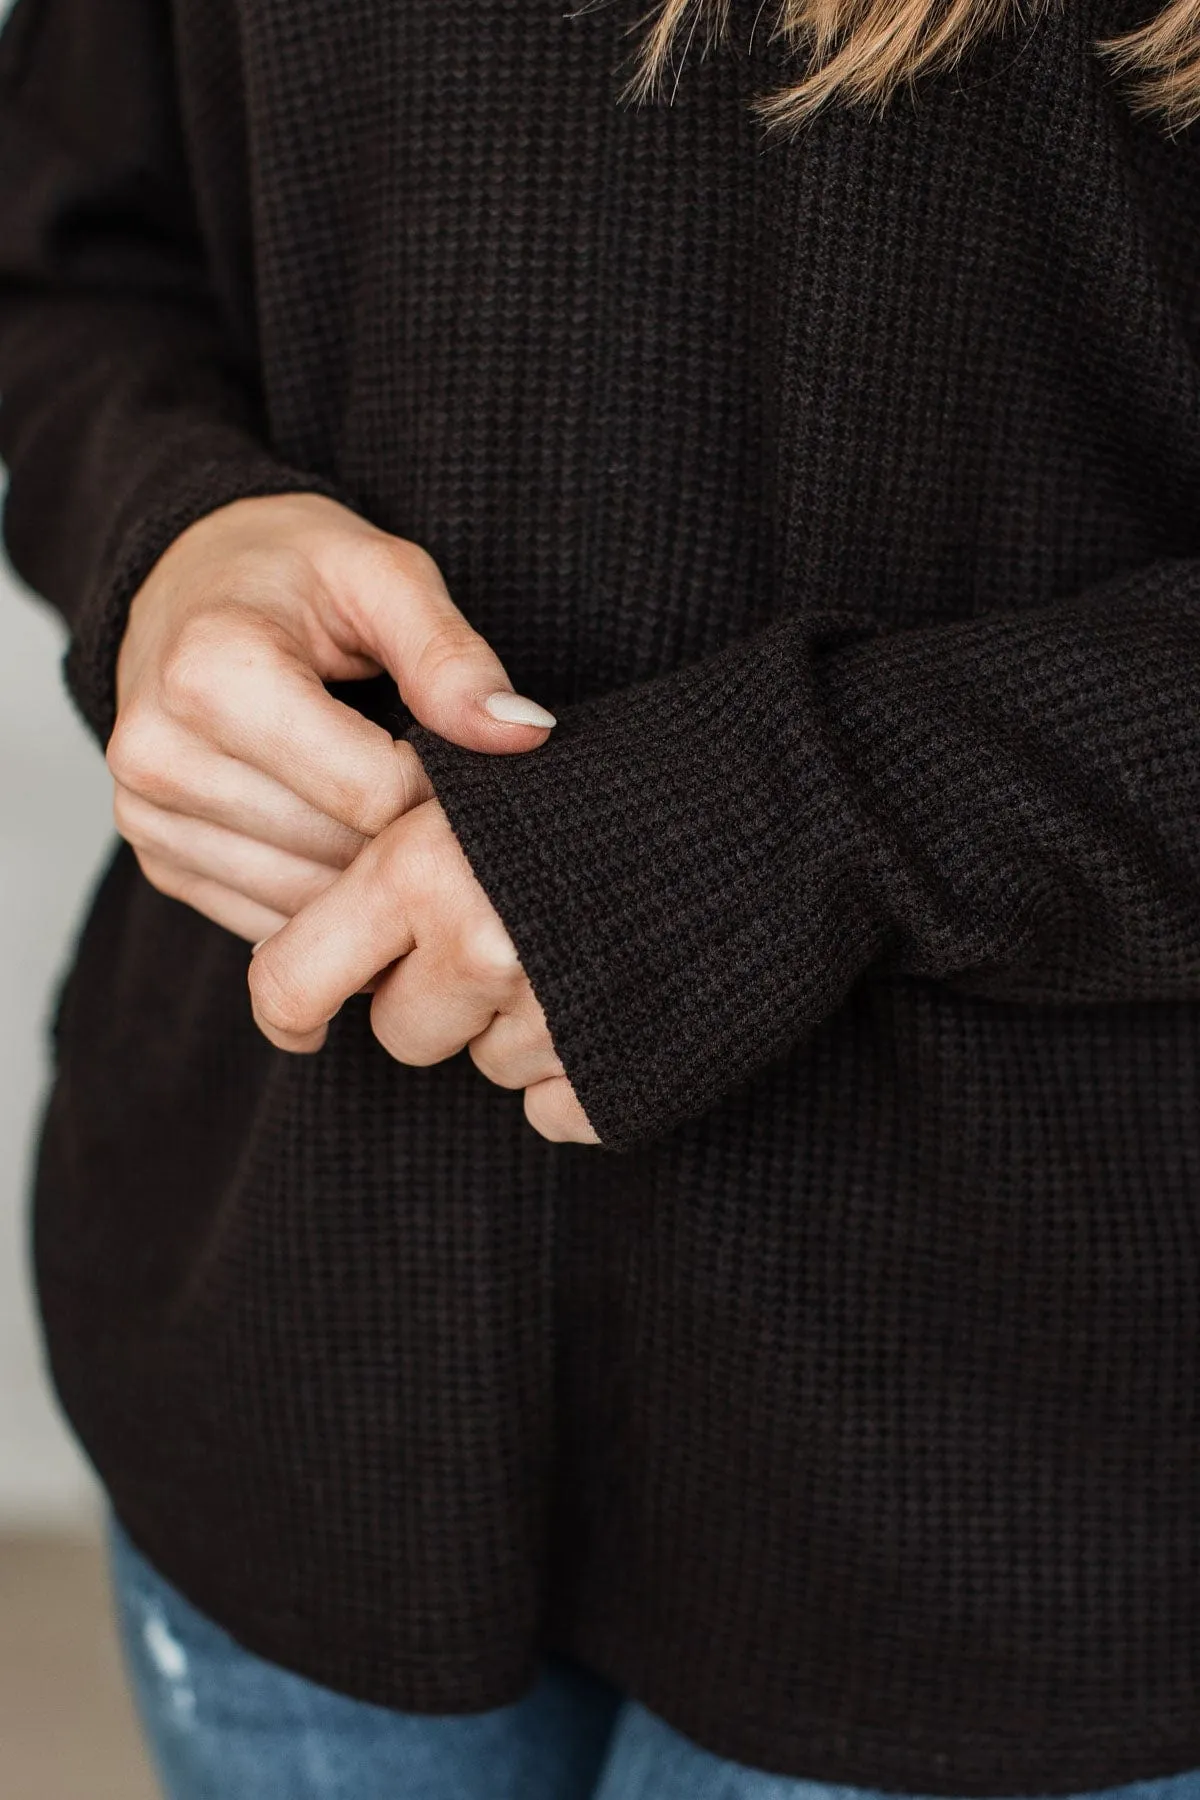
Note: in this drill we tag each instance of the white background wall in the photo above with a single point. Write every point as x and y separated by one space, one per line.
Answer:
55 825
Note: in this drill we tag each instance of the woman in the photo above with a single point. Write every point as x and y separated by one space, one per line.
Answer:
770 1354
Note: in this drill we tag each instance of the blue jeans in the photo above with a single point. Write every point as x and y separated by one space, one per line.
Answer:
224 1725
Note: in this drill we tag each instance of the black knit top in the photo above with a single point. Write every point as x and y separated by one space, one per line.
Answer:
843 496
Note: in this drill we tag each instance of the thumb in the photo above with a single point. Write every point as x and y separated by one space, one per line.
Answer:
449 677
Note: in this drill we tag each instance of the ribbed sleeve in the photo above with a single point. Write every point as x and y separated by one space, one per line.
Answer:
696 871
127 410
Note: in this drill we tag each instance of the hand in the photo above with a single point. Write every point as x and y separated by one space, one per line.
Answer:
242 784
410 900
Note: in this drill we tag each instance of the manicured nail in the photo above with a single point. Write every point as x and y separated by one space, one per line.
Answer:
515 709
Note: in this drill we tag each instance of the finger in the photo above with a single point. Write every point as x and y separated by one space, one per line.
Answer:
274 878
440 997
334 947
224 906
449 676
555 1113
515 1050
242 686
181 774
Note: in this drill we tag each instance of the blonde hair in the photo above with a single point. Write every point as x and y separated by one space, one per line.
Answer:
862 51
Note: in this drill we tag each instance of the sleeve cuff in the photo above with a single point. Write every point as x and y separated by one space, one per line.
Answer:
671 869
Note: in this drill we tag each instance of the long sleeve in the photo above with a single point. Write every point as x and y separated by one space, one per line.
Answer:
697 870
127 411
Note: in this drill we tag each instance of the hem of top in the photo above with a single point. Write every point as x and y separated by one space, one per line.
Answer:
426 1683
1032 1758
916 1762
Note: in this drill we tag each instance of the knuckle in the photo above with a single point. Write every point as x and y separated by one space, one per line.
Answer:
379 788
494 1065
410 562
278 1000
486 953
407 877
388 569
386 790
186 677
449 645
419 565
135 753
392 1030
357 805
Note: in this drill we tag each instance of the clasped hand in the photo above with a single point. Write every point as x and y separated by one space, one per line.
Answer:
251 794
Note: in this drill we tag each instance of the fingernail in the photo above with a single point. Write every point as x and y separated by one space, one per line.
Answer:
255 948
515 709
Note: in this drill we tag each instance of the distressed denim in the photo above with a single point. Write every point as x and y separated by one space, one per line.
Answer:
224 1725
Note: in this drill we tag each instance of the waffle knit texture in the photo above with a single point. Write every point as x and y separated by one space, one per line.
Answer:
840 493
